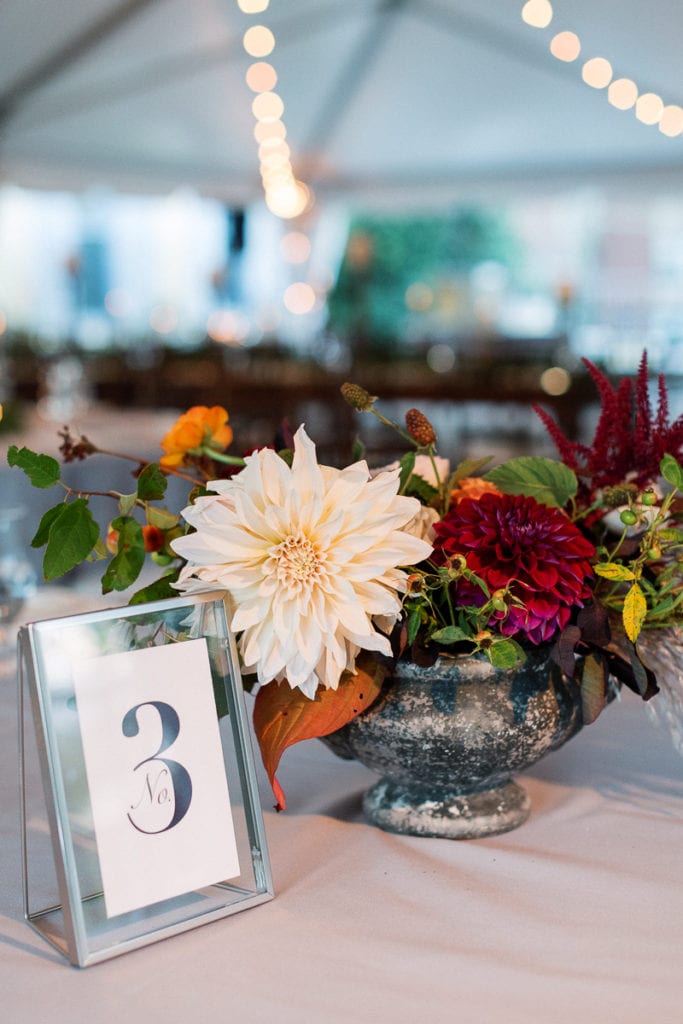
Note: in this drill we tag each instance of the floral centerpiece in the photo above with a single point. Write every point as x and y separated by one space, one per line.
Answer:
334 574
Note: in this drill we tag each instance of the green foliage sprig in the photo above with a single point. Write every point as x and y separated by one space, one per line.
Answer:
70 534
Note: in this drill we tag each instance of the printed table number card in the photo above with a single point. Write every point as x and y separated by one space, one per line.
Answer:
149 795
155 771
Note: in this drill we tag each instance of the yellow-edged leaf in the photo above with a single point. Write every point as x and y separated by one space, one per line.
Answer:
283 716
613 571
635 610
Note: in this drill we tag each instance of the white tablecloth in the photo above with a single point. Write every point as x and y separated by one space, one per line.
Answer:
575 916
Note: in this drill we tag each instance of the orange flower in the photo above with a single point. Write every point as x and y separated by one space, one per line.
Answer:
472 487
199 427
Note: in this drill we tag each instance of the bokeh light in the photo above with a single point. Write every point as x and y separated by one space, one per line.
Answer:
252 6
622 93
269 130
258 41
261 77
419 297
267 106
537 13
227 327
299 298
440 358
555 381
649 108
163 319
671 121
295 247
597 72
288 199
565 46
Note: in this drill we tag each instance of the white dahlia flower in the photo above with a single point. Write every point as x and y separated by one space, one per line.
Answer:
310 556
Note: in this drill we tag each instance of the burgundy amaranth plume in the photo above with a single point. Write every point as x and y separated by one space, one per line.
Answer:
629 441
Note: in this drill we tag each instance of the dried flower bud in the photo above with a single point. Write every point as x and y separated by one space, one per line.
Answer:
357 397
419 428
73 450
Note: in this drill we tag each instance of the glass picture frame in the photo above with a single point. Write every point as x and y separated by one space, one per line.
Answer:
140 808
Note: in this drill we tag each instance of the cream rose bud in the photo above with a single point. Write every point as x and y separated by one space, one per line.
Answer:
422 524
646 516
423 468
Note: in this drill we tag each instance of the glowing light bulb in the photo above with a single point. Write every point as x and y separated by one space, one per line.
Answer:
565 46
537 13
649 108
269 130
261 77
555 381
299 298
258 41
671 121
597 72
252 6
267 106
288 200
622 93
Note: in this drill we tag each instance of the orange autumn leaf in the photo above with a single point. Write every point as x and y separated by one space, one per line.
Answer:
283 716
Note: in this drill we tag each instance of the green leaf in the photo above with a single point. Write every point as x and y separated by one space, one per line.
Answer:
467 468
506 654
413 625
549 482
72 536
162 518
127 503
126 564
635 610
159 590
407 464
613 571
418 487
670 535
152 483
99 551
42 470
357 449
45 525
449 635
671 470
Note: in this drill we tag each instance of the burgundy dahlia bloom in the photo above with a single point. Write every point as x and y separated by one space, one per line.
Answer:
537 550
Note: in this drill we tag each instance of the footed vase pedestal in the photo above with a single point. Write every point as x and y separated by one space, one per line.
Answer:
447 739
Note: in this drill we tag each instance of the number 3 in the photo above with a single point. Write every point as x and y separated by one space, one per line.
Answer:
180 777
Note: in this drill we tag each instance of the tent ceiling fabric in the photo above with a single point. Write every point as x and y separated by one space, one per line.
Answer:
382 97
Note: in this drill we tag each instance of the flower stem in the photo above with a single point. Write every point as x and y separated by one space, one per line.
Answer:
394 426
143 463
228 460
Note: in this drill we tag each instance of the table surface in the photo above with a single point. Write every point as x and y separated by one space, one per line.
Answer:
575 916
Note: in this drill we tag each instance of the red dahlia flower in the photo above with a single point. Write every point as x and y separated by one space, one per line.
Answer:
536 550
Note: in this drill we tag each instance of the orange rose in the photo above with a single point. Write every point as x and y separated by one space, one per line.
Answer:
199 427
472 487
